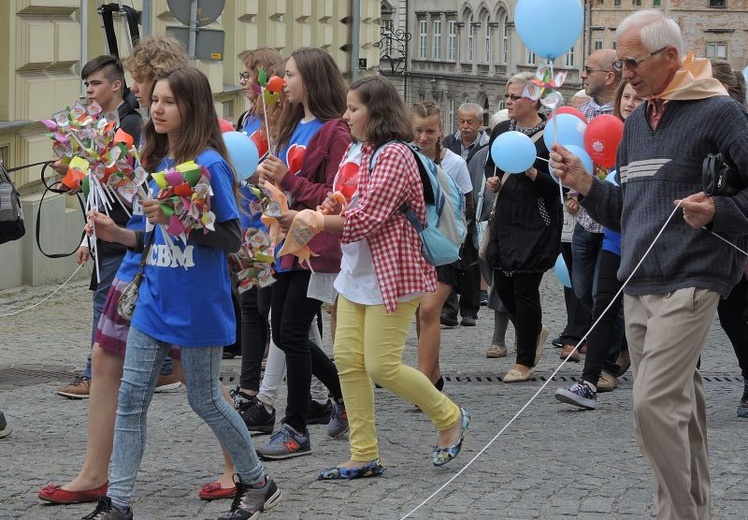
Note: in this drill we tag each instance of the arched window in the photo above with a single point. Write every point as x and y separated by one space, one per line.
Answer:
470 39
486 23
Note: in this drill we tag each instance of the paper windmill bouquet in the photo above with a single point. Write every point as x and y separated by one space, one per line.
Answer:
85 139
256 257
184 193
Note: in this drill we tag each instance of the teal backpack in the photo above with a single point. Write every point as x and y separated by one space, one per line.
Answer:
445 229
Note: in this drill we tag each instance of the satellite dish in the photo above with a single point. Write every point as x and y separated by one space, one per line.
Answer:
207 10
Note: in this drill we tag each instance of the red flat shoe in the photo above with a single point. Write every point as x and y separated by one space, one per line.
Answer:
213 491
56 495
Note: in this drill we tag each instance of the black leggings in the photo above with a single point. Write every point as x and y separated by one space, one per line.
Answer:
733 316
290 319
604 334
255 333
520 294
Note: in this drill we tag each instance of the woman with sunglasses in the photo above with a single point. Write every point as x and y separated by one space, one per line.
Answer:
526 232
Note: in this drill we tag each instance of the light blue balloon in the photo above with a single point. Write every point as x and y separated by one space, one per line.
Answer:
612 177
562 272
242 152
513 152
745 73
570 131
583 156
549 28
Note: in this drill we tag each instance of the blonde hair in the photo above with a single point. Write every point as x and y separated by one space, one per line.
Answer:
153 55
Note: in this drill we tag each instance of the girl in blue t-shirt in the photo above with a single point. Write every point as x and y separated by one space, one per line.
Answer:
184 299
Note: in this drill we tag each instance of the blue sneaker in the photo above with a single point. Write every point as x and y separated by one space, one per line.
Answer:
580 394
284 444
338 425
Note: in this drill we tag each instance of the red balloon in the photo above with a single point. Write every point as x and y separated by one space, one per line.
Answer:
225 125
601 139
571 110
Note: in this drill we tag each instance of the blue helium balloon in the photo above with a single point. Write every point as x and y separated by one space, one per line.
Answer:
566 129
549 28
612 177
242 152
513 152
583 156
562 272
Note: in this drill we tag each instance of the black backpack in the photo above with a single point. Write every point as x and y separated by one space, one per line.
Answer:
11 211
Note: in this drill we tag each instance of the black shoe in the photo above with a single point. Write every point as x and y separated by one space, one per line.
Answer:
241 400
106 511
230 354
258 419
4 428
557 342
743 406
468 321
250 501
319 413
483 298
448 321
439 383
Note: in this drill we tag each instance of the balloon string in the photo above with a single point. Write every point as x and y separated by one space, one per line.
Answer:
555 140
265 115
548 380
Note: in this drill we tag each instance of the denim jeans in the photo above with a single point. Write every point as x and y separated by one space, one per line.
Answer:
585 250
143 357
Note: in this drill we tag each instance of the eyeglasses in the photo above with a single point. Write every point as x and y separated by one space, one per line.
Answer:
245 76
512 97
633 63
589 71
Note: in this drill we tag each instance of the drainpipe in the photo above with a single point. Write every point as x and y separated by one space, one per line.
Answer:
355 37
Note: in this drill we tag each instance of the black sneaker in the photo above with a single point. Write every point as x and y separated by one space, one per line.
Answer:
241 400
250 501
743 406
319 413
106 511
4 428
258 420
448 321
483 298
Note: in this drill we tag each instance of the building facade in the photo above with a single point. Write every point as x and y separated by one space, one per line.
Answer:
46 42
464 51
711 28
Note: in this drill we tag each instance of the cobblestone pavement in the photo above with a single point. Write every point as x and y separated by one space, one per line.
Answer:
553 462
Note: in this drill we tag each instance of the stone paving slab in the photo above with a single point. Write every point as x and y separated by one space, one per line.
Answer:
553 462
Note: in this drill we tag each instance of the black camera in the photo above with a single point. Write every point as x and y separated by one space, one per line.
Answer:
719 177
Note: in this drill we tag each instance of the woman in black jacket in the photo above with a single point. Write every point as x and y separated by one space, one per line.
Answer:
526 231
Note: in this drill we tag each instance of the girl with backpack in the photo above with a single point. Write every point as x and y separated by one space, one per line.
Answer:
382 279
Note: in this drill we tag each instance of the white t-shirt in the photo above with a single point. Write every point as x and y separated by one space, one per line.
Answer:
456 167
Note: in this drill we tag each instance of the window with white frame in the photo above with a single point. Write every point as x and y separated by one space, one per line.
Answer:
529 57
423 35
504 39
450 122
487 36
451 40
437 39
470 39
716 50
569 58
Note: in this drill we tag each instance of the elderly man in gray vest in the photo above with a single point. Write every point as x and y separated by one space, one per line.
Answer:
672 296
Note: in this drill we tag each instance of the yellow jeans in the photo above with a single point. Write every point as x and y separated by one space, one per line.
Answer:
369 346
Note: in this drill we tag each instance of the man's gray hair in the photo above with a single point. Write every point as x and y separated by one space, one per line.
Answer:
657 30
472 107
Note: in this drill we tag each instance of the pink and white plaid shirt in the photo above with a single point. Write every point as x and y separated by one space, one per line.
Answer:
395 246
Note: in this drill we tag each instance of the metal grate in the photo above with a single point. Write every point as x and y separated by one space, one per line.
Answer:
492 378
27 375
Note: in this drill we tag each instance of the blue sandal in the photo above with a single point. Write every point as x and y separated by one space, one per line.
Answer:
372 469
442 455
